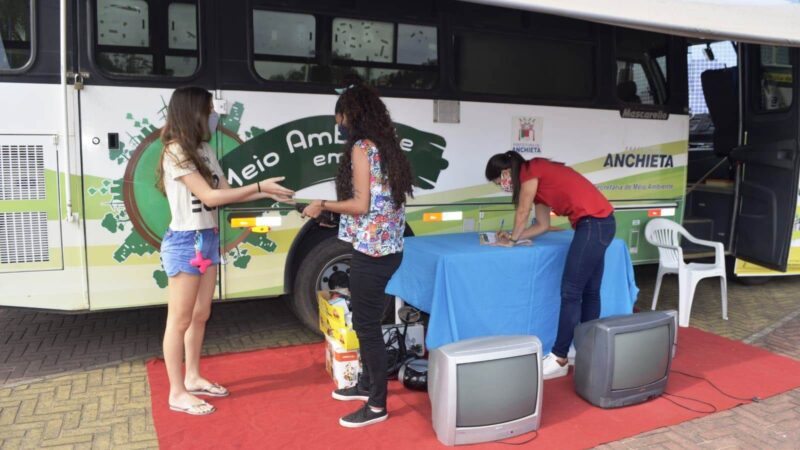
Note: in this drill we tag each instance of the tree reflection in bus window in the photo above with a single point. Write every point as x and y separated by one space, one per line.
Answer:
374 42
124 38
641 67
15 34
775 73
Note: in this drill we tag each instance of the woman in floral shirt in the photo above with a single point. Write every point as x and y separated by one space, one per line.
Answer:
373 181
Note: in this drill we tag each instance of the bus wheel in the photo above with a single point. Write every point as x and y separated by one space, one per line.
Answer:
325 267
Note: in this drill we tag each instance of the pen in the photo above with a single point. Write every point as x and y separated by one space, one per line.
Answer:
502 222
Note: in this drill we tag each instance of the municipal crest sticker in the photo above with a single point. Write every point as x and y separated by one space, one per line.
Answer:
526 134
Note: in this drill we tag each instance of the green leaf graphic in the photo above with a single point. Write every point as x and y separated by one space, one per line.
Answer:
109 223
161 278
242 261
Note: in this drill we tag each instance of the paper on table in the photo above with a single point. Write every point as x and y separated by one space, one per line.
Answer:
487 238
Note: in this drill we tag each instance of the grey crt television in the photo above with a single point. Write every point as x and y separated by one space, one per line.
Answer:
624 360
485 389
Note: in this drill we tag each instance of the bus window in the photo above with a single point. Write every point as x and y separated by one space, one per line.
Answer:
775 75
127 45
15 34
284 45
182 19
489 63
368 49
641 67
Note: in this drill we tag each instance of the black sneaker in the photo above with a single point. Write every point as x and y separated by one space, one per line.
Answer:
351 393
362 417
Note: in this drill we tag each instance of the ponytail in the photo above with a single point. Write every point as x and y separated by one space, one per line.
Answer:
502 161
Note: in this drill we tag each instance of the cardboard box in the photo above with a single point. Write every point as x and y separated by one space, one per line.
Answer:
346 337
335 310
342 365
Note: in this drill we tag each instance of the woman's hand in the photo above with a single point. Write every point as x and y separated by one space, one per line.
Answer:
271 187
504 241
313 210
282 199
502 235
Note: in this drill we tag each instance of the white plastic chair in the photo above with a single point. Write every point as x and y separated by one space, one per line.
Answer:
665 235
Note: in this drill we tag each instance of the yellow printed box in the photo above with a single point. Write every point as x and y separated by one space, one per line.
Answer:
342 365
333 309
345 336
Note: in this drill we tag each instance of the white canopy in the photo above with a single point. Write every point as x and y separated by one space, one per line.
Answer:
755 21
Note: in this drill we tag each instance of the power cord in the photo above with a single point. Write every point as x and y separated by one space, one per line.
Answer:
667 396
742 399
714 409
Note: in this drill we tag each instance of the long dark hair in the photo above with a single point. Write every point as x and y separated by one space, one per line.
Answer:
187 126
502 161
368 118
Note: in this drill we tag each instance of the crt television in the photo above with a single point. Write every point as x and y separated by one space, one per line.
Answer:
624 360
486 388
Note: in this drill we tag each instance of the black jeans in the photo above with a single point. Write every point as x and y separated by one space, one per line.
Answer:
368 279
583 273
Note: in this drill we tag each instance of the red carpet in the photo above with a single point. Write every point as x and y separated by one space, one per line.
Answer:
281 399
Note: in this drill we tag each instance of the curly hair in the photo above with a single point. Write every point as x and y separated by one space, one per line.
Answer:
187 126
368 118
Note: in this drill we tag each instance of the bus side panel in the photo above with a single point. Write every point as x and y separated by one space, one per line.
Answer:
293 135
41 256
126 215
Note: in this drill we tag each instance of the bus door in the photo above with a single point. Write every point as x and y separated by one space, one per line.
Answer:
36 241
133 54
769 159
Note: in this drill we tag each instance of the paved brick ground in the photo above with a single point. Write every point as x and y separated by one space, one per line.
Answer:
35 344
80 381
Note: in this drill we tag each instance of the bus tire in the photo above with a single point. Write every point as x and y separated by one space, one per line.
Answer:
325 267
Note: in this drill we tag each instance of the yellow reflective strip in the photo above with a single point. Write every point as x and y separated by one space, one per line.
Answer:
243 222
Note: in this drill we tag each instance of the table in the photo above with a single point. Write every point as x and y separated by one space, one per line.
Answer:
473 290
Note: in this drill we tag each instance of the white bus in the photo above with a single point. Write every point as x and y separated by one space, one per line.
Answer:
86 84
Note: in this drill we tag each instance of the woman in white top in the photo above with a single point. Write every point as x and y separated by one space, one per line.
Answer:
192 179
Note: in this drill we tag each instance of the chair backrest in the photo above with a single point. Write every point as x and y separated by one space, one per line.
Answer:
660 232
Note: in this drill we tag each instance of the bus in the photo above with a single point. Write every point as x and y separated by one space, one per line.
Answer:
86 84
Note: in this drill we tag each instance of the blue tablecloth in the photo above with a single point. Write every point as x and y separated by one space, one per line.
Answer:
473 290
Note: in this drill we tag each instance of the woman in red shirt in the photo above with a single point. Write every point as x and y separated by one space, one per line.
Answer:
551 186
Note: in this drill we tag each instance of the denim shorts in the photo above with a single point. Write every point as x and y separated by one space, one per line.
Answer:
177 250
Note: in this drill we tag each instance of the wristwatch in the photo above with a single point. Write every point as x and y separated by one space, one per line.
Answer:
513 241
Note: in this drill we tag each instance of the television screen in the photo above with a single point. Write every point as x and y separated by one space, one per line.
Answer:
632 366
492 392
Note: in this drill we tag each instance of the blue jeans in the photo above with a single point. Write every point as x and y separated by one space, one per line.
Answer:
583 273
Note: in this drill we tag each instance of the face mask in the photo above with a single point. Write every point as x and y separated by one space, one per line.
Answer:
505 183
343 132
213 120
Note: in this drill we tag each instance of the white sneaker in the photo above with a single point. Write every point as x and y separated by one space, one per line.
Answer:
551 368
571 355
